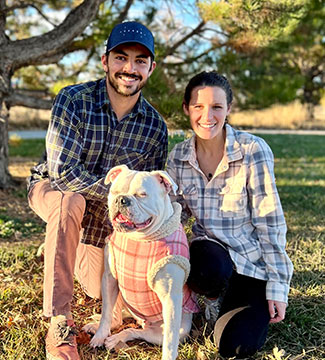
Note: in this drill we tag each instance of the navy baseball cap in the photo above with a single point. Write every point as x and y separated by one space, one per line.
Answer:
131 32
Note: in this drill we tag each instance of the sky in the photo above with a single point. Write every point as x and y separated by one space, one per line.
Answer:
184 16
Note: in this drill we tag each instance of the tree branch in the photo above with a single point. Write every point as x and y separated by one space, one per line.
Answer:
23 99
195 31
124 12
3 37
190 59
32 51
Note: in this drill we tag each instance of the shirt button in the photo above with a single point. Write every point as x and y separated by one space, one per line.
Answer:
206 215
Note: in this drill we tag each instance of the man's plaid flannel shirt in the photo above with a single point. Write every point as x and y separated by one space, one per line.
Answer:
85 140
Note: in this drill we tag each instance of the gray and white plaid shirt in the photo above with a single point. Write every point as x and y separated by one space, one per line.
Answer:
239 206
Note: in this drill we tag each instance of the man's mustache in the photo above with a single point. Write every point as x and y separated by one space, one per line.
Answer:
137 77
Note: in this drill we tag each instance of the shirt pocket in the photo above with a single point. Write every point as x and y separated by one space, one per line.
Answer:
233 200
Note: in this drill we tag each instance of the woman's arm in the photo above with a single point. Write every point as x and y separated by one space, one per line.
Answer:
269 221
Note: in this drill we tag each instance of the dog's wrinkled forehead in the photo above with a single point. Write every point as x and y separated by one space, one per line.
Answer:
133 183
122 185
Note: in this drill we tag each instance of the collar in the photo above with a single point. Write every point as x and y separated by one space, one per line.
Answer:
233 150
167 228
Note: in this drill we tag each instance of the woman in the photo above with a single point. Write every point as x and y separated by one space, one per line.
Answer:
226 181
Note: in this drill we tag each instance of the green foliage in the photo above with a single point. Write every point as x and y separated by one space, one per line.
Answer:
161 93
252 23
257 82
287 65
32 148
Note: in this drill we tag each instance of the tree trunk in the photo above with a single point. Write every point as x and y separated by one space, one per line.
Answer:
43 49
5 178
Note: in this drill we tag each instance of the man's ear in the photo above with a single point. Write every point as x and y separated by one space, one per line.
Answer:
104 60
114 173
165 180
153 66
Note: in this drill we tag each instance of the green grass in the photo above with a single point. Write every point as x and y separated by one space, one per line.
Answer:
31 148
300 174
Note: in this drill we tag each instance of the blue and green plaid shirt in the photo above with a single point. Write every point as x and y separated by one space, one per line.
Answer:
85 140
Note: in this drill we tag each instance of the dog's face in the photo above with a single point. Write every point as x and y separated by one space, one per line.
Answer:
138 201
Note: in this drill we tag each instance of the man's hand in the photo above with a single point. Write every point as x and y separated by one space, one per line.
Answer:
277 310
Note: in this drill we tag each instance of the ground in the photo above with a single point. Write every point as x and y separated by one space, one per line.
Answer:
14 201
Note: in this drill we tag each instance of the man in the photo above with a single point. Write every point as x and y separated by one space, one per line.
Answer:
94 126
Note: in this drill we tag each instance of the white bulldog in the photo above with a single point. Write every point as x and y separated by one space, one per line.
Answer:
146 263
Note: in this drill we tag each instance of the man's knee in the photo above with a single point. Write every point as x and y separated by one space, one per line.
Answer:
74 204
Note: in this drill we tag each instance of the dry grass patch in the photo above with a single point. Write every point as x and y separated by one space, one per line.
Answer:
291 116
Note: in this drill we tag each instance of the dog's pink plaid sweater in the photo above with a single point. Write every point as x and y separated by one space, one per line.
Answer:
134 262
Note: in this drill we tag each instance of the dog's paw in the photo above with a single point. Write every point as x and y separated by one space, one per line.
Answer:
91 328
97 341
99 338
115 341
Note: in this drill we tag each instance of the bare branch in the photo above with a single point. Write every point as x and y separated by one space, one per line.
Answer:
125 11
23 99
189 60
43 15
33 50
195 31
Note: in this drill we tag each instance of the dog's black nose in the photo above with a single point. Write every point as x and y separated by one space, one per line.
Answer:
124 201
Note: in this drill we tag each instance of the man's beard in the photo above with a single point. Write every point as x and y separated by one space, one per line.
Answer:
114 84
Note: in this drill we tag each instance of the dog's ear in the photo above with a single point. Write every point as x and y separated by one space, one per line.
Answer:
114 172
164 179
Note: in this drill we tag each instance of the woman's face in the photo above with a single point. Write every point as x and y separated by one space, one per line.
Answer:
207 111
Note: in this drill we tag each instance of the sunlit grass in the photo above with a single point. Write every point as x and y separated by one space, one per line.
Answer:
300 174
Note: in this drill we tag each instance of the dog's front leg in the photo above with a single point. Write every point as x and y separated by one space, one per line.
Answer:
109 295
168 284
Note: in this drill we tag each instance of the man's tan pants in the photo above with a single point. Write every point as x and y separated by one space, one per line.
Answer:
64 254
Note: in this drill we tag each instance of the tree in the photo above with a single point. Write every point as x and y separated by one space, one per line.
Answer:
23 55
274 52
47 48
304 53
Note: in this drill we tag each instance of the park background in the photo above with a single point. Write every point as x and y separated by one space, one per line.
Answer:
273 54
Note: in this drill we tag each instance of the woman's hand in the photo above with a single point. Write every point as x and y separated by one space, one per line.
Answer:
277 310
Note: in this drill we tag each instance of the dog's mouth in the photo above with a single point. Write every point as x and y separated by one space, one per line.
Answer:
121 220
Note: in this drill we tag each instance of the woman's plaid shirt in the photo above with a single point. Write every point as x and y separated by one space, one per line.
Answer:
239 206
85 140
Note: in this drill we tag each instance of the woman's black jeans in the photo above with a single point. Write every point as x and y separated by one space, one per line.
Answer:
212 274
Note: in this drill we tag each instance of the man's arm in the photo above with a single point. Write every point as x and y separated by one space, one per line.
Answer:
64 145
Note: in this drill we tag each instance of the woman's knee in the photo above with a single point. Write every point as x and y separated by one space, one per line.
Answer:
211 268
244 334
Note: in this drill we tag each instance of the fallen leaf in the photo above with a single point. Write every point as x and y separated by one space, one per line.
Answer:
83 338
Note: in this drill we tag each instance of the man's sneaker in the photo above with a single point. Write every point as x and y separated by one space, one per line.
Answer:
61 341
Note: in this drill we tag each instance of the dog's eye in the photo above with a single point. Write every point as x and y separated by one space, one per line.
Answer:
141 194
